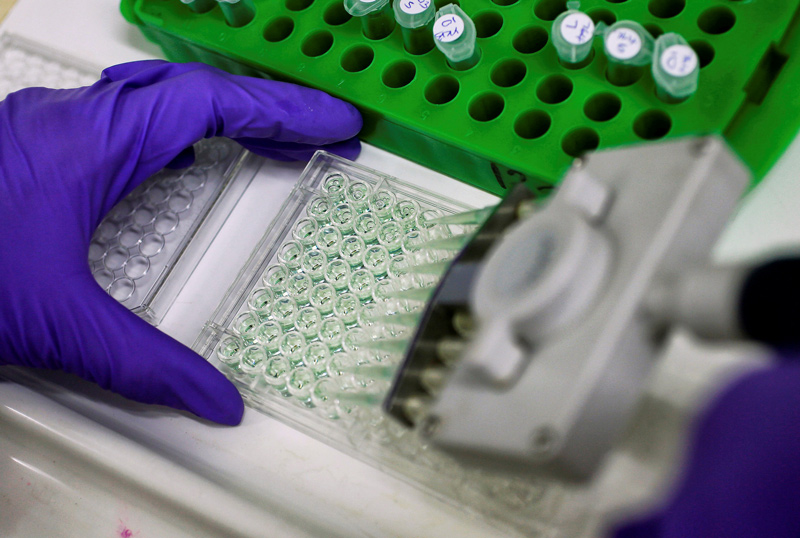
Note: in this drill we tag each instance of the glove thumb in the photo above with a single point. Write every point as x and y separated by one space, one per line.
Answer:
121 352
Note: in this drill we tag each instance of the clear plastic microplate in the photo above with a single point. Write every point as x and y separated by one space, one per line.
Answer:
145 249
147 246
305 332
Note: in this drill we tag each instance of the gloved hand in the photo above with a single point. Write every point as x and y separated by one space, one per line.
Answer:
742 476
67 156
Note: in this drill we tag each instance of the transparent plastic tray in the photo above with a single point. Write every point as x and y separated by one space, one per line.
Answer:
144 250
24 64
314 381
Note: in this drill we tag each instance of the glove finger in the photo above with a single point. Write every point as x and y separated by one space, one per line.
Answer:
349 149
184 159
126 70
121 352
163 108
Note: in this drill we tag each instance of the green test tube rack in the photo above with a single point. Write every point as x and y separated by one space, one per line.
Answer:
518 114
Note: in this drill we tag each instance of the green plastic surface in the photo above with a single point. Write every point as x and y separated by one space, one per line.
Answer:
518 115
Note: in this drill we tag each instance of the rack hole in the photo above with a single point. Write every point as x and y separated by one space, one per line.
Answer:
666 9
508 73
278 29
615 1
487 23
335 14
317 44
653 29
716 20
298 5
399 74
486 106
532 124
705 52
554 89
578 141
357 58
505 2
548 10
602 15
602 106
652 125
529 40
441 90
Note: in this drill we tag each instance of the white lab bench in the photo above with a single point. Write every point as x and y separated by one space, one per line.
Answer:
78 461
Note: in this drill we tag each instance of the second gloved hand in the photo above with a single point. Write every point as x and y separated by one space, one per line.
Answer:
68 156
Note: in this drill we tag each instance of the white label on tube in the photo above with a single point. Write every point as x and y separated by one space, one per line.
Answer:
414 7
577 28
679 60
448 28
623 43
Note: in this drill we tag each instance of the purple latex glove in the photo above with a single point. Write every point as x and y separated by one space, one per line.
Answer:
67 156
742 478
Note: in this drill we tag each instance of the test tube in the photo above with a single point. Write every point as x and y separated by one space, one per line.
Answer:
676 68
415 18
237 13
629 48
376 17
455 36
572 35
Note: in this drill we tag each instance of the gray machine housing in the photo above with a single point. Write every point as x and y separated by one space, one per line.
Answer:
564 340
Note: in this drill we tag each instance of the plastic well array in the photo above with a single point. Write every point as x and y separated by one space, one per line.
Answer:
323 381
137 252
147 246
518 115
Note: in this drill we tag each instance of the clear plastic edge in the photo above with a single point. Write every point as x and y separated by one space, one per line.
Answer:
53 54
195 244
